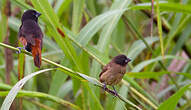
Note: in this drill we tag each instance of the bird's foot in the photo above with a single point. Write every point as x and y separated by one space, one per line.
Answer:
20 48
104 87
115 92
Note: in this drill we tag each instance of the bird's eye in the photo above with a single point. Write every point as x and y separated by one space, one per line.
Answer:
33 13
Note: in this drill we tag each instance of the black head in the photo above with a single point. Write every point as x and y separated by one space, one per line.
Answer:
30 15
121 60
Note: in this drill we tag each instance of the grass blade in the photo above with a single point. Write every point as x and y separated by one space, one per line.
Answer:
147 75
13 92
160 28
105 37
138 46
94 25
171 102
78 6
61 6
23 93
164 6
141 65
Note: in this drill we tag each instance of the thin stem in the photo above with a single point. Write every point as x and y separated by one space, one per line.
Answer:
152 14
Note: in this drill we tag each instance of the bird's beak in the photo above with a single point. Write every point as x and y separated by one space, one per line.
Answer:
128 60
38 14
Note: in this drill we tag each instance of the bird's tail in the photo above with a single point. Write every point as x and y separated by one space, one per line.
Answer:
36 53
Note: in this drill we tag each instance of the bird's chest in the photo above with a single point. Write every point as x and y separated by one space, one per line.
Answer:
114 79
31 29
115 76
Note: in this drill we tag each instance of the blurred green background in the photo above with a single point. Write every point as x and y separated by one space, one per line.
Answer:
95 31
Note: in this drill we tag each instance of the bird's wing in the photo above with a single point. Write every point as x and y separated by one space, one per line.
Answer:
105 68
30 30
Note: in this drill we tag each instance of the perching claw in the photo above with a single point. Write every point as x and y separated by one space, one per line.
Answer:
115 91
20 49
104 86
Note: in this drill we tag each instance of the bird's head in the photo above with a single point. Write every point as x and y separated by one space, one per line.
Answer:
121 60
30 15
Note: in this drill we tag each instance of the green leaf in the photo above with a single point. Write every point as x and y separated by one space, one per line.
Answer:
138 46
13 92
61 6
176 27
171 102
65 89
135 85
146 74
119 32
105 36
124 92
94 25
92 80
91 5
3 21
23 93
58 79
173 7
14 23
149 75
141 65
182 39
159 28
78 6
21 4
92 51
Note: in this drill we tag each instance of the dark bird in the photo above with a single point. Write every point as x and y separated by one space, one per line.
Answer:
114 71
30 35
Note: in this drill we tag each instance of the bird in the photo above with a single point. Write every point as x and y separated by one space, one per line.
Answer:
30 35
113 72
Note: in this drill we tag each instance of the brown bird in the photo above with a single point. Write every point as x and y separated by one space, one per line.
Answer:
114 71
30 35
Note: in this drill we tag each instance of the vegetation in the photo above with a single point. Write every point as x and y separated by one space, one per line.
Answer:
80 37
